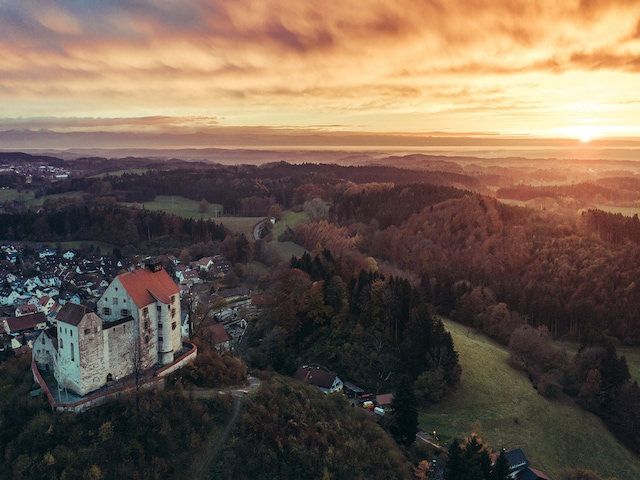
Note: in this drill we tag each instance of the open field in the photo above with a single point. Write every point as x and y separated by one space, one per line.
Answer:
183 207
286 250
510 413
626 211
289 219
12 194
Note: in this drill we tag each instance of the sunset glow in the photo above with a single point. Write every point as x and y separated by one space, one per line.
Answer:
534 68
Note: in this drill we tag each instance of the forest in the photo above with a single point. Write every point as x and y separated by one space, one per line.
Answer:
390 250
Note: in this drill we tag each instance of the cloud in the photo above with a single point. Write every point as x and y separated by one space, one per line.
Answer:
269 61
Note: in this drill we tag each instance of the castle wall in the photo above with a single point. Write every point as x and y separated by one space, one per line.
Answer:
91 347
67 372
44 352
120 353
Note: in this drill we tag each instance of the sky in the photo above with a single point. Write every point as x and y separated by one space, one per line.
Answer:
248 70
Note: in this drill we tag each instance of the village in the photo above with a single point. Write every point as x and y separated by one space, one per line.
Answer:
38 281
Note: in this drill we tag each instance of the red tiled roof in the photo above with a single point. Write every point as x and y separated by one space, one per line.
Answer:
25 322
28 308
384 399
314 376
145 286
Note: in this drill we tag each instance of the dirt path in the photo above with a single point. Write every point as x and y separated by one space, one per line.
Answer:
216 444
205 463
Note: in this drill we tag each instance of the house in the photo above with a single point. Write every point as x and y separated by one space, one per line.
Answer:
328 382
45 304
519 468
203 264
44 252
215 335
50 280
384 400
33 321
8 296
234 294
134 326
188 277
26 309
31 284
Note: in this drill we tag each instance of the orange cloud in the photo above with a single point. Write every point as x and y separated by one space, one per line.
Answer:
374 64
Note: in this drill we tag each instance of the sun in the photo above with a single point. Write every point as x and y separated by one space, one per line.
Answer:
583 133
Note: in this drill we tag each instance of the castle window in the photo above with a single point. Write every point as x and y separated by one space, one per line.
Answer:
173 299
43 340
159 308
173 326
115 300
159 326
106 311
146 339
173 312
124 312
146 324
72 353
145 311
60 343
87 331
160 339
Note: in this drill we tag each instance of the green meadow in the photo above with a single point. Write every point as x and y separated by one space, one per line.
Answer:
501 405
182 207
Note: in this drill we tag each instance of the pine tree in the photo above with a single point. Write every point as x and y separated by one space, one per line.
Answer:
501 468
404 424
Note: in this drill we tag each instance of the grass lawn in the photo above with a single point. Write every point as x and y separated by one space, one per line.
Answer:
509 413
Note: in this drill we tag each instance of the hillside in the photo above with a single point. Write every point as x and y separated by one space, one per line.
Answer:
287 427
553 434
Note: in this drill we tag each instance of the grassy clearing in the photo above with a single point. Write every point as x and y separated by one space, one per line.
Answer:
12 194
240 224
626 211
286 250
289 219
509 413
183 207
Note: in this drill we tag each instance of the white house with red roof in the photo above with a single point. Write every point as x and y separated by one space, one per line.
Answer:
45 304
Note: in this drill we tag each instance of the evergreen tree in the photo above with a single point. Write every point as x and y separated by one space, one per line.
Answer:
404 424
454 462
501 468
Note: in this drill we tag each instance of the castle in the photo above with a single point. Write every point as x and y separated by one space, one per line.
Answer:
136 325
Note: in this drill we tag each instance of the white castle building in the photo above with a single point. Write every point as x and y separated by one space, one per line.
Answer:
136 326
